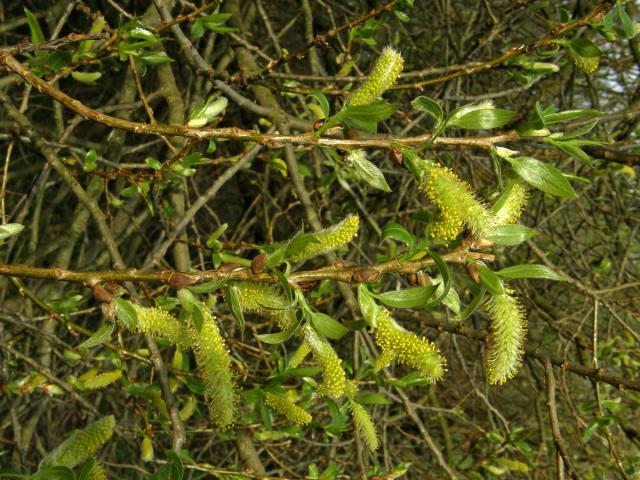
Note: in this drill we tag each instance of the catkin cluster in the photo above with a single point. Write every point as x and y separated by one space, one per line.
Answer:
81 445
265 300
457 203
506 340
406 348
214 362
160 323
329 239
382 77
285 407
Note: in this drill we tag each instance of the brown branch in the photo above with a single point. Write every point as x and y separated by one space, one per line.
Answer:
53 44
238 134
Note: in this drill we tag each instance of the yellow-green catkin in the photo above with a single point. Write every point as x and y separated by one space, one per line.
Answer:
146 450
586 64
187 409
509 206
457 203
102 380
383 76
406 348
265 300
506 339
160 323
81 445
97 472
299 355
364 424
334 378
214 362
329 239
287 409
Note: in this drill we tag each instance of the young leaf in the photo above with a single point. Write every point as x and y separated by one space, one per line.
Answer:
10 229
475 303
126 313
102 335
375 112
542 175
530 271
367 171
481 119
397 232
36 32
430 106
409 297
321 98
490 280
233 300
368 306
327 326
88 78
509 235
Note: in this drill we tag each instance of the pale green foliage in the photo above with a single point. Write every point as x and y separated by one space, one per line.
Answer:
214 361
333 375
364 424
160 323
506 340
511 203
382 77
406 348
329 239
287 408
81 445
457 203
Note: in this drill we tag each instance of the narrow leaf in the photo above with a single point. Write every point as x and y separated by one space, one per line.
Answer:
530 271
542 175
409 297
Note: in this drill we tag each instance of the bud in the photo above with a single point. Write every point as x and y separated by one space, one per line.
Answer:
382 77
257 264
333 376
365 426
287 408
506 339
214 362
81 445
329 239
406 348
146 450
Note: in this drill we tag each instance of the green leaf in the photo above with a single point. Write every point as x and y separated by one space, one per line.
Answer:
368 172
569 115
475 303
572 148
444 274
327 326
482 118
409 297
509 235
233 301
36 32
54 473
430 106
209 287
125 313
530 271
154 58
10 229
397 232
490 280
374 112
372 398
628 27
584 48
542 175
368 306
102 335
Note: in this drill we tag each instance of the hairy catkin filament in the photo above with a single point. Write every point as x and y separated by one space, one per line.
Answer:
334 379
509 206
160 323
406 348
285 407
81 445
506 340
329 239
214 362
457 203
382 77
364 424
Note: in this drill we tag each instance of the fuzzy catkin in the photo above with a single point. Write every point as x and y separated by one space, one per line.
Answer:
287 409
364 424
81 445
214 362
299 355
329 239
511 203
265 300
160 323
457 203
406 348
506 340
97 472
382 77
102 380
334 379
